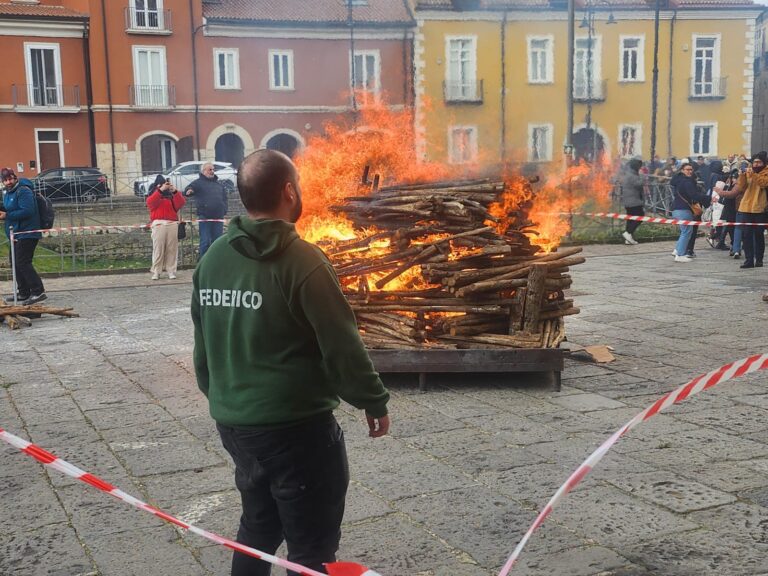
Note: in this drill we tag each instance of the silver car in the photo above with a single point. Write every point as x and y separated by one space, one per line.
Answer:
183 174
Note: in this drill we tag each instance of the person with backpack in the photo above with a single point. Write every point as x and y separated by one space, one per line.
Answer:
21 213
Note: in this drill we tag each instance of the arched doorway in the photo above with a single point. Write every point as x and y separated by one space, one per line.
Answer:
284 143
588 145
230 148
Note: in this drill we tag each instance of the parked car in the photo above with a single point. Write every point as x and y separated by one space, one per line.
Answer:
72 184
182 175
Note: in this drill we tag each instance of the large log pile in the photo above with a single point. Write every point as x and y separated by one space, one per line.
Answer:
434 267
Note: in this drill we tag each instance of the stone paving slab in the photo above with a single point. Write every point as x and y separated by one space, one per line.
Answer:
468 464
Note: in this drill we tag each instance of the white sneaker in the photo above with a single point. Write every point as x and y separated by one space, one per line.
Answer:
674 252
683 259
155 277
628 239
171 276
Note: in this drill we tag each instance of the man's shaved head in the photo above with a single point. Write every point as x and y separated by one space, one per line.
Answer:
262 177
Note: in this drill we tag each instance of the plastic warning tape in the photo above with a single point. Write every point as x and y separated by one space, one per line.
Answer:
56 463
698 384
116 226
656 220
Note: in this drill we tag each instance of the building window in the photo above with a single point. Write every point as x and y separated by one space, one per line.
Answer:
461 72
43 62
149 74
462 144
167 153
540 142
704 139
632 64
281 69
226 68
586 69
367 71
147 14
630 142
540 56
706 66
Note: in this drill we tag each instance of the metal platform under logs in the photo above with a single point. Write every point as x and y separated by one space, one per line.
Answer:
423 362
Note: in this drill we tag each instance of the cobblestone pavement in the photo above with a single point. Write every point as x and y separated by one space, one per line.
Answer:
467 466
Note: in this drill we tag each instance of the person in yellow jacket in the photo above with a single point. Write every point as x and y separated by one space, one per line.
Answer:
752 184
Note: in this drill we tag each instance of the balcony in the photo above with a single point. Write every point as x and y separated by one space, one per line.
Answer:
713 89
57 98
147 21
470 92
152 96
582 92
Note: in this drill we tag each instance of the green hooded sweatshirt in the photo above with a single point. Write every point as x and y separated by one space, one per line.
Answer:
275 340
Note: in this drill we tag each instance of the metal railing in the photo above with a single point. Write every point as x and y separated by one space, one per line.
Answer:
582 92
155 21
456 92
713 89
45 97
152 96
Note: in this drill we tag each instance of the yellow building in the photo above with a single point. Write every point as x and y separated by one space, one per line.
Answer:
491 78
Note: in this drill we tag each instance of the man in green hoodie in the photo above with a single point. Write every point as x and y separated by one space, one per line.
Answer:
276 347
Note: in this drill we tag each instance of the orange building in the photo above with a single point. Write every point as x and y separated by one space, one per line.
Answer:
138 85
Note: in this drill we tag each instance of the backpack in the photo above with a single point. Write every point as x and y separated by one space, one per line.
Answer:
45 210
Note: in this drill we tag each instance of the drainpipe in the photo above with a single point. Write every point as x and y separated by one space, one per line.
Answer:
669 93
109 92
503 149
194 77
655 82
89 90
351 24
569 81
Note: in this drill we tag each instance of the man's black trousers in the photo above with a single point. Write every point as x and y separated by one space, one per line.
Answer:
293 483
28 281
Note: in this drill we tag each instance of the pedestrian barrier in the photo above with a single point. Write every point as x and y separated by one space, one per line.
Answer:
55 463
698 384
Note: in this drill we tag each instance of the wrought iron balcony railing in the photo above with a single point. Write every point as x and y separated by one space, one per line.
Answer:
152 96
713 89
582 92
147 21
54 98
457 92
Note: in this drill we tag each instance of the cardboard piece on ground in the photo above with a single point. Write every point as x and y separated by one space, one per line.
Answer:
598 353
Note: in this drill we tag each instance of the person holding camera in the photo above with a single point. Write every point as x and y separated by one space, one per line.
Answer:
164 203
752 208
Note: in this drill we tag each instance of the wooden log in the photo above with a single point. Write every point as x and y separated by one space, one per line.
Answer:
534 297
36 309
467 309
478 328
512 280
426 253
551 314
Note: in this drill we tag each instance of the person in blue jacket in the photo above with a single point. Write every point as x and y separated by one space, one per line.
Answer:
20 213
686 195
211 202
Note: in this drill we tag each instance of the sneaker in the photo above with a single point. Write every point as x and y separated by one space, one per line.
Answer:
674 252
35 298
683 259
171 276
691 254
736 255
19 299
155 277
758 263
628 239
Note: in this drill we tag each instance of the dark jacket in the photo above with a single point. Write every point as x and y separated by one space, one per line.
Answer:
276 341
210 197
686 192
20 207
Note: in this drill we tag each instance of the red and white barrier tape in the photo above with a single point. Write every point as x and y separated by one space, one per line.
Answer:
655 220
56 463
698 384
115 226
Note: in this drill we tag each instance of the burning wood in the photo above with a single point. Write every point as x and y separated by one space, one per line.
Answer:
452 265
